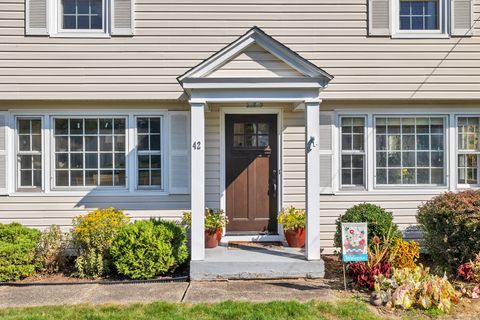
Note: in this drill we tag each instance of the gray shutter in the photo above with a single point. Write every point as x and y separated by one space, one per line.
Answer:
462 17
379 18
122 17
326 152
36 17
3 153
179 161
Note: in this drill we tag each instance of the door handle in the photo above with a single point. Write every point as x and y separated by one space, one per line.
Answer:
274 189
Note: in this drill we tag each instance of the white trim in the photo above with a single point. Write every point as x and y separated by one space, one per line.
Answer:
455 183
254 238
243 110
443 21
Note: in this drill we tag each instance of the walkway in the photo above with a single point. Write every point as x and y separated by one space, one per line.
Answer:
194 292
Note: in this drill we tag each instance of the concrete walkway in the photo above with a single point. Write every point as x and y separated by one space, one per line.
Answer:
194 292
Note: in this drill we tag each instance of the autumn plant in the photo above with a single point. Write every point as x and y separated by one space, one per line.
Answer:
50 252
292 218
405 254
408 288
451 224
470 271
93 235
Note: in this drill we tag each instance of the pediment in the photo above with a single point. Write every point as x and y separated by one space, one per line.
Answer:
256 55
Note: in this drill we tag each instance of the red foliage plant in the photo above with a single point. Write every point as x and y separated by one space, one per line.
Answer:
465 271
364 276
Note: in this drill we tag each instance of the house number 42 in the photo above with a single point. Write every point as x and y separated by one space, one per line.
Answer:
197 145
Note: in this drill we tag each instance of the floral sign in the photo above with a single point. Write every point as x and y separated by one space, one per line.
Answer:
354 242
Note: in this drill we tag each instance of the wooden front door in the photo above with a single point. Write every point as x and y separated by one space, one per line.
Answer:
251 169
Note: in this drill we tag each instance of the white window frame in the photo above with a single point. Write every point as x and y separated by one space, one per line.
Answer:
443 22
414 186
163 155
55 23
458 152
89 188
48 153
353 152
17 152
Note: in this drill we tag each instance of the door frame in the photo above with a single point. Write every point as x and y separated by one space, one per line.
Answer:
223 167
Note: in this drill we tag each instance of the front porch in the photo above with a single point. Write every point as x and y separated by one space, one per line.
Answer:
225 262
297 86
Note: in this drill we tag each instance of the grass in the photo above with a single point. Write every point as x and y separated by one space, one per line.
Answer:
344 309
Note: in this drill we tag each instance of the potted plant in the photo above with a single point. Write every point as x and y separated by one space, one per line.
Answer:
293 221
215 220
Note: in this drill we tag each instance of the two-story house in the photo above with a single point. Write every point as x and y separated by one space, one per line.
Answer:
158 106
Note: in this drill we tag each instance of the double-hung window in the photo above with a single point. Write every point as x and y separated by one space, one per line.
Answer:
82 14
420 18
468 151
149 152
90 152
353 152
29 153
410 151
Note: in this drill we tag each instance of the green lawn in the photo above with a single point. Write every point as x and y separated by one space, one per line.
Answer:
346 309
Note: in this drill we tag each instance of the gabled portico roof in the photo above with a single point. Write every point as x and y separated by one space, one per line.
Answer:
299 72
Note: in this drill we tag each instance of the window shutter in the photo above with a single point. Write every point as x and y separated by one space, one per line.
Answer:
462 18
122 17
326 152
36 17
179 138
379 17
3 153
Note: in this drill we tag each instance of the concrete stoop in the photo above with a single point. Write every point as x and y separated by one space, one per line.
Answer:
223 263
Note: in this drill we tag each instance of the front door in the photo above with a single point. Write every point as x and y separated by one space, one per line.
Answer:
251 169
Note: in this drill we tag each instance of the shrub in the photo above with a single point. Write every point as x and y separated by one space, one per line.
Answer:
50 253
147 249
408 288
17 251
451 224
379 222
93 235
292 218
405 254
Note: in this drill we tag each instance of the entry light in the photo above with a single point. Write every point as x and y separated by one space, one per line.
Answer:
254 105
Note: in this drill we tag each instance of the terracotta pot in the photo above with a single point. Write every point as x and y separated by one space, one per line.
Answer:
295 238
219 234
211 238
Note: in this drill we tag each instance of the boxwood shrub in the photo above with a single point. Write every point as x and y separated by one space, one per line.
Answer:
379 222
451 227
17 251
147 249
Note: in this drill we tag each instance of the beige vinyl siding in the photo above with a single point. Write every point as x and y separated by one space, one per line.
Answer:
173 36
255 61
212 158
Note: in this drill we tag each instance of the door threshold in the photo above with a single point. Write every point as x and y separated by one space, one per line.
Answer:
253 238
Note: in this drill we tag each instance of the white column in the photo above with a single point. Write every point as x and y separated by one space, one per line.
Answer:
312 175
197 176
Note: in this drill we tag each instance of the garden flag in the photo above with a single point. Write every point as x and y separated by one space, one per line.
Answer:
354 242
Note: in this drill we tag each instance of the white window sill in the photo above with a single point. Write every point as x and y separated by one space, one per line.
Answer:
397 191
80 35
420 35
97 193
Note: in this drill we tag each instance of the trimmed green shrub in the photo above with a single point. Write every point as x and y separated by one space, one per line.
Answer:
451 227
149 248
92 236
17 251
379 222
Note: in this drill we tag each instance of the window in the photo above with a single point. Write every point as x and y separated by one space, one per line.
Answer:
90 152
468 150
149 152
251 135
29 153
82 14
419 15
353 151
410 151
